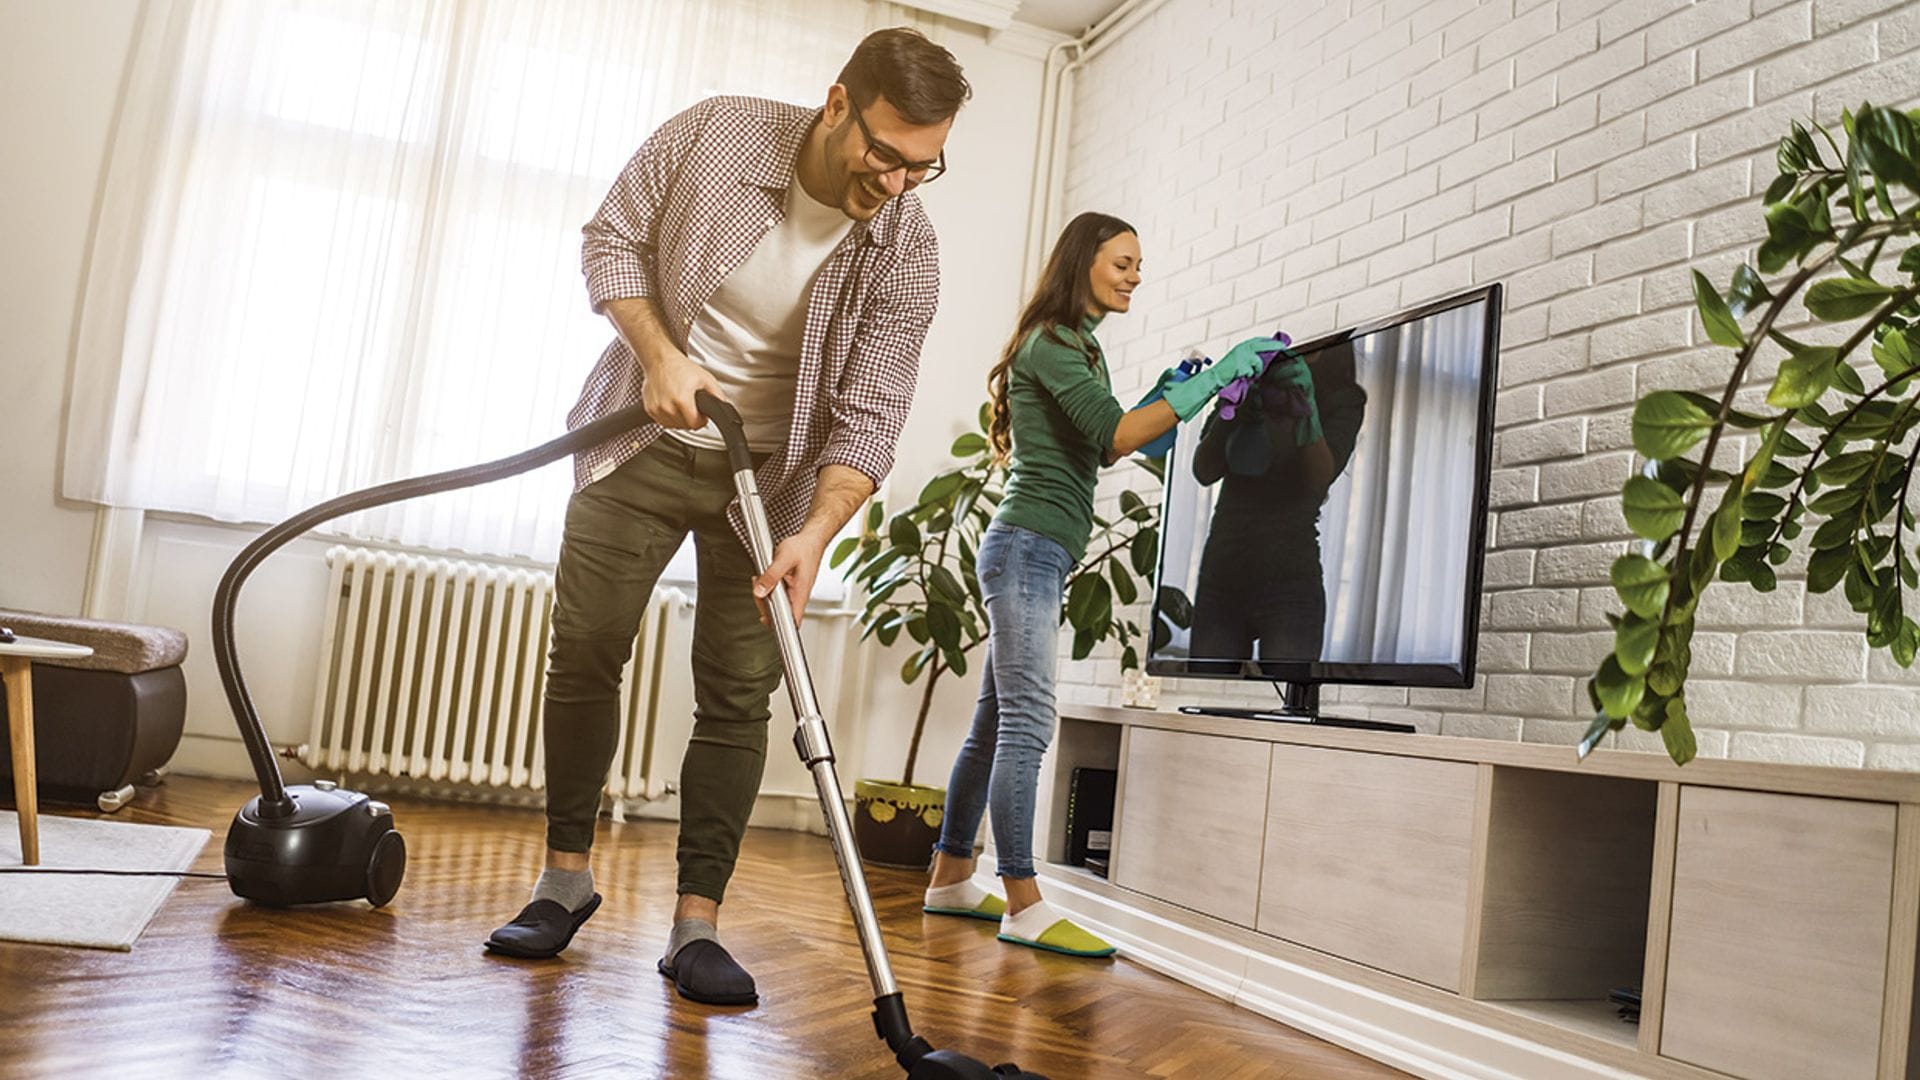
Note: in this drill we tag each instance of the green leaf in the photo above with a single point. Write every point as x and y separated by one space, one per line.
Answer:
1892 149
944 587
1129 659
1089 602
1633 643
1803 377
1749 292
1848 380
1123 585
1722 327
1781 188
969 445
1711 406
1652 509
1602 723
1143 551
1725 529
1174 604
1906 642
1619 692
1131 503
1666 425
1841 298
985 416
944 625
1760 506
843 549
904 534
1677 732
1827 567
1789 234
1845 468
1651 710
1641 583
942 487
1791 446
1895 354
1083 643
910 670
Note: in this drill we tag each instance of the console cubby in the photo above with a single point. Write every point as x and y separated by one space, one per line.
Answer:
1565 892
1079 744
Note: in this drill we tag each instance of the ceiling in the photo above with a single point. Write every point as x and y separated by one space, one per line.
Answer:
1065 16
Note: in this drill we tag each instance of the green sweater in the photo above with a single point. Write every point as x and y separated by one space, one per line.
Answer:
1063 416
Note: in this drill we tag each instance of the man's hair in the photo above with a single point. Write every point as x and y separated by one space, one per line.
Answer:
921 80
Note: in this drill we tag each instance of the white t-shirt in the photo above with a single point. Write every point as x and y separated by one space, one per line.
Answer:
748 336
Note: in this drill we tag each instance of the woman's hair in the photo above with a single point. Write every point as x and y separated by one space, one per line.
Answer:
921 80
1060 300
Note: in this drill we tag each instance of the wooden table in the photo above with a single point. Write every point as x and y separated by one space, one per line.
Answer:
16 670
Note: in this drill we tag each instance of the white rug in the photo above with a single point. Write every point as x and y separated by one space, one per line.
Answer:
96 911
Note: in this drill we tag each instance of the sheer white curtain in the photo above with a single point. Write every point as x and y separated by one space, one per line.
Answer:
1397 525
339 241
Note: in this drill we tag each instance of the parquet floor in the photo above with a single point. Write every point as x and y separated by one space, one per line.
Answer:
219 988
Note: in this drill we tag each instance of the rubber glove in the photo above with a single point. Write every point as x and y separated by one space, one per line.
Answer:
1241 362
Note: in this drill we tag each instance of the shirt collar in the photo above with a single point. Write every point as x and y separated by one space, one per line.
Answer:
775 172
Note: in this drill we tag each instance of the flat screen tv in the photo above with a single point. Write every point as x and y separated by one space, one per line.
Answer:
1350 557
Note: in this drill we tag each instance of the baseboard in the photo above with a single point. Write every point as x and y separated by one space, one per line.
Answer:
1402 1033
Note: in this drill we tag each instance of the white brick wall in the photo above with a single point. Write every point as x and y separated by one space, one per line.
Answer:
1319 162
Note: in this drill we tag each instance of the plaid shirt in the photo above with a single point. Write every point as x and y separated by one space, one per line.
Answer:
687 210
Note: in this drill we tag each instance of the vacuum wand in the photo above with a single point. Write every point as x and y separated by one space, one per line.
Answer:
810 740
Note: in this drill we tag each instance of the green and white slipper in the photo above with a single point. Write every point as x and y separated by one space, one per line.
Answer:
1040 927
966 900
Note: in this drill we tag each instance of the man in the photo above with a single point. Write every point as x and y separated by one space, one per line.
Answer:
770 255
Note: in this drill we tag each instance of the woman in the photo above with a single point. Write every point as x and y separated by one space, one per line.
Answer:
1053 405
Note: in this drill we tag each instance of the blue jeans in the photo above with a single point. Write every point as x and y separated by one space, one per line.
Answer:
1021 576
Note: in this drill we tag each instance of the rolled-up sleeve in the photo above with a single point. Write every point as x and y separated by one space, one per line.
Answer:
618 253
1062 370
873 398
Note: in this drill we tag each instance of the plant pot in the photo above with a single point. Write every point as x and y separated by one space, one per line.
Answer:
897 824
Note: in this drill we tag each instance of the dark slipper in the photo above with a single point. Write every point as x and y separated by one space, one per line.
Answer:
702 971
542 929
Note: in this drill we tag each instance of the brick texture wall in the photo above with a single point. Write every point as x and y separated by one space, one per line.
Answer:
1314 164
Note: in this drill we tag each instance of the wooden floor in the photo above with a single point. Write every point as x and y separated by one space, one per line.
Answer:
217 987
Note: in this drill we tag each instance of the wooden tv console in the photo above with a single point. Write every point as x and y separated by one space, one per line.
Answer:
1461 907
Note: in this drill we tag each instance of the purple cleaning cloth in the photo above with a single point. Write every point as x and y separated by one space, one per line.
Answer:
1235 392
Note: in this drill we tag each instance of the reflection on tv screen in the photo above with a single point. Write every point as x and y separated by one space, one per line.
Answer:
1329 515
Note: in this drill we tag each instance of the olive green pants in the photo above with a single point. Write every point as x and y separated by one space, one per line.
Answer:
620 532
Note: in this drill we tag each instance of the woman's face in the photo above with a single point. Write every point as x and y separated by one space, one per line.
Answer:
1115 273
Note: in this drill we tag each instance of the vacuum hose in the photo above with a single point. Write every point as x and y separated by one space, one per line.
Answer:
274 801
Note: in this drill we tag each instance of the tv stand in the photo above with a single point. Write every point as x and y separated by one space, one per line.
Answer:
1466 907
1301 706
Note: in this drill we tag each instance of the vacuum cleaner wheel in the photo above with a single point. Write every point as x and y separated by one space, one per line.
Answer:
386 868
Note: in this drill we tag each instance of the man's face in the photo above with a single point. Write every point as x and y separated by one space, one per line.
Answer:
873 154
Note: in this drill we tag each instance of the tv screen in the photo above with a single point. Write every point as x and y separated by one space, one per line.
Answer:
1350 553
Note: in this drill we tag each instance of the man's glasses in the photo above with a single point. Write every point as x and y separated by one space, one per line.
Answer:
885 159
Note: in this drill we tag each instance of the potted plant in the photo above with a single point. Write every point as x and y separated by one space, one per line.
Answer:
1833 464
916 567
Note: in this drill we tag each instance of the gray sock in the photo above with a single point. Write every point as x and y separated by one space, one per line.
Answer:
687 931
571 889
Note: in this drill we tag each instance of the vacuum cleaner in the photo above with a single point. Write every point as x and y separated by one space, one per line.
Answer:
315 843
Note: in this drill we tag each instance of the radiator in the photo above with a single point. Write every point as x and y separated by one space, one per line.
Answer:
431 669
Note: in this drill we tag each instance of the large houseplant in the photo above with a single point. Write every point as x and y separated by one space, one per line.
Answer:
916 566
1832 463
